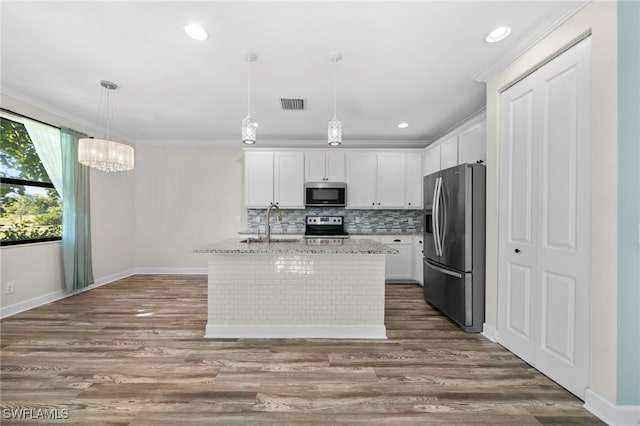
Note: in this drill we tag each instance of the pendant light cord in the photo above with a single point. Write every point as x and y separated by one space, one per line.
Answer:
335 78
248 87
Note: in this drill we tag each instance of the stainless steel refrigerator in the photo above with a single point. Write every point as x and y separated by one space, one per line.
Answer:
454 243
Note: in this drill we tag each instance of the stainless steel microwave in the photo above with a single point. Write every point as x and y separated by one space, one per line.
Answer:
325 194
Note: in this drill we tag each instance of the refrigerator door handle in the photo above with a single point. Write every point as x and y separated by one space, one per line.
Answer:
444 271
434 216
437 231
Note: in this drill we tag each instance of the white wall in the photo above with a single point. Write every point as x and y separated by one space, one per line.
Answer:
187 196
36 269
600 18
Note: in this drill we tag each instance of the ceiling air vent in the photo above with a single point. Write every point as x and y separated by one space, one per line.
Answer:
290 104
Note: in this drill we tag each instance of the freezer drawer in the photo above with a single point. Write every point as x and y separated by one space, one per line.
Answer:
455 295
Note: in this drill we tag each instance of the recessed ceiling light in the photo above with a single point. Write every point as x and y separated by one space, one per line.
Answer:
498 34
403 125
196 32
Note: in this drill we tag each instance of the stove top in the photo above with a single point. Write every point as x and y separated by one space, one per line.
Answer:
325 227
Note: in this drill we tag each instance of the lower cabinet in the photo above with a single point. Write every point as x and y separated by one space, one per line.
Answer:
418 265
399 266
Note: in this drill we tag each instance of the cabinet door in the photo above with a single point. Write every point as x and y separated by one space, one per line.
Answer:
414 181
258 179
315 167
449 153
400 266
289 179
335 166
431 160
361 179
391 180
418 264
471 145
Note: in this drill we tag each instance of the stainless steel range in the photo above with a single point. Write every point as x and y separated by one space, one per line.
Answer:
325 227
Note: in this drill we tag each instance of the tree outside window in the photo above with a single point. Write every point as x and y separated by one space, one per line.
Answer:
30 208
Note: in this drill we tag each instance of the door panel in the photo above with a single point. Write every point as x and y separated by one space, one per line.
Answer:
456 237
544 218
563 254
558 317
559 161
448 292
517 252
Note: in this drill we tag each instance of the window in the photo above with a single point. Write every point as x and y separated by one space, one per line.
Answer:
31 178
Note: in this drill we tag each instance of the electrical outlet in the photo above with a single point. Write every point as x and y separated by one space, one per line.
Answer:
410 221
257 219
9 288
357 219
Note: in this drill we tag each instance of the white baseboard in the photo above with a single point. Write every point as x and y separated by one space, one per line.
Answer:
612 414
16 308
215 331
489 332
172 271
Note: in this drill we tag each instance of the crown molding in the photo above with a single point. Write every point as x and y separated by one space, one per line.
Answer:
69 120
282 143
539 30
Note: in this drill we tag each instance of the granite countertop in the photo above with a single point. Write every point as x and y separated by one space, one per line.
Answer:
351 232
301 246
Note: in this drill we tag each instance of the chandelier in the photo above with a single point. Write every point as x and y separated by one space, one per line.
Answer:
104 154
249 125
335 126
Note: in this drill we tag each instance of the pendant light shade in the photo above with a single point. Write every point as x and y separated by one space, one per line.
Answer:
334 130
249 125
104 154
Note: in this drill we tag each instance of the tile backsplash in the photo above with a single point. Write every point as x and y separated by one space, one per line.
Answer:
354 220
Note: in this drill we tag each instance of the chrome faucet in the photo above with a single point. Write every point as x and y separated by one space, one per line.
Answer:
268 227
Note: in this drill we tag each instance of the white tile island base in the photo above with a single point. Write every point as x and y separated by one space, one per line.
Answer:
296 295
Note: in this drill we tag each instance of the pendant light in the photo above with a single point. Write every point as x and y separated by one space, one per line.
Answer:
249 125
104 154
335 126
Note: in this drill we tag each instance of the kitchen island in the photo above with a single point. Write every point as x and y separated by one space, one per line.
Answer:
296 289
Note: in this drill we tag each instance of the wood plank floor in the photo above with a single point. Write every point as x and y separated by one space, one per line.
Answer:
103 358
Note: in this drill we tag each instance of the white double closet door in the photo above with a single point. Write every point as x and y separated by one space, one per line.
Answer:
543 282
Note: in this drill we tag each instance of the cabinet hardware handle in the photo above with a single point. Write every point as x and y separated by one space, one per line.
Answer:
420 242
373 204
378 203
396 241
409 203
517 250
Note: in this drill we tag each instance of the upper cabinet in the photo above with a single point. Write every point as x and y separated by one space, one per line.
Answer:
449 153
274 177
466 144
380 179
324 166
413 184
391 180
362 170
472 144
384 180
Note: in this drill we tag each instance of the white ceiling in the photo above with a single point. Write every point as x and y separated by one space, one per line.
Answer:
402 61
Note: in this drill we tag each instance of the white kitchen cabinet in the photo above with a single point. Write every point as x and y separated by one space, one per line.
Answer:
413 184
391 180
399 266
324 166
361 179
449 153
258 179
431 160
472 145
376 180
418 265
288 182
274 177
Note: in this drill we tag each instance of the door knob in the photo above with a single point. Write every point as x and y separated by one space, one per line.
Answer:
517 250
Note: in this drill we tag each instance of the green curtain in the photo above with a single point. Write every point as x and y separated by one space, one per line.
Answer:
76 217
